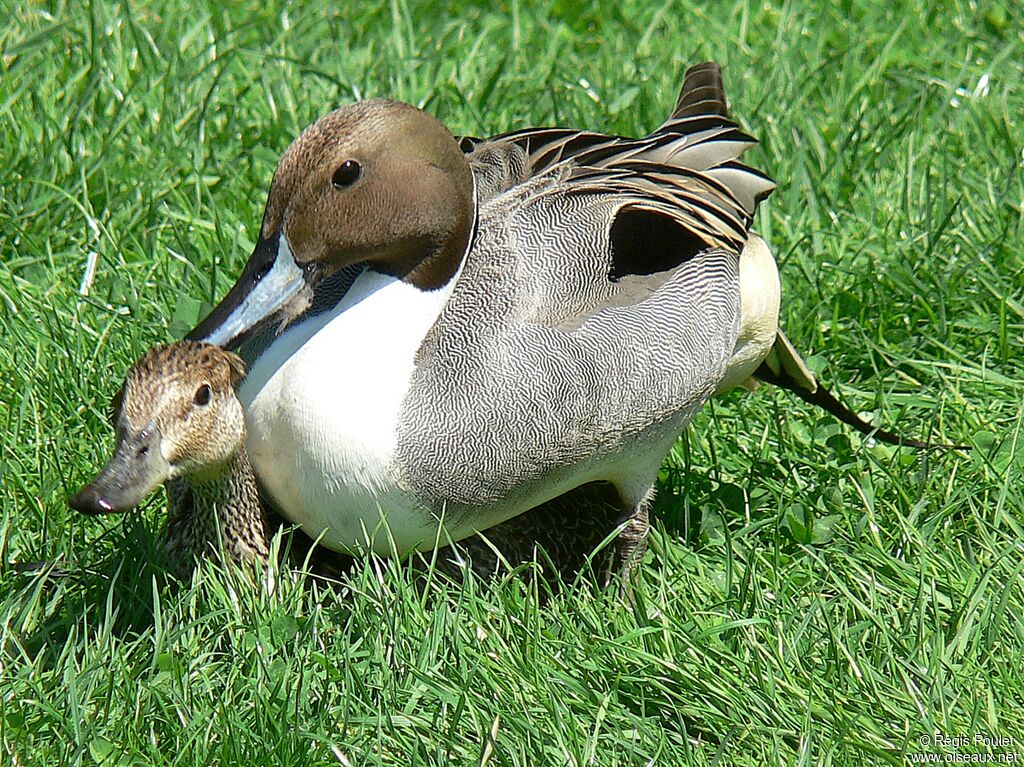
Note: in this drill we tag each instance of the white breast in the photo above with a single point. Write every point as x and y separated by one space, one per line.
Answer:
322 405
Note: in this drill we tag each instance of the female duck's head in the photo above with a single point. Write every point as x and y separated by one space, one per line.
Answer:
379 184
176 415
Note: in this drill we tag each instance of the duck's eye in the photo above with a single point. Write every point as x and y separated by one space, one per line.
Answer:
203 395
346 174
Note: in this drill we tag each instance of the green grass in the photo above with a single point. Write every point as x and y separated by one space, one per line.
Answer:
810 598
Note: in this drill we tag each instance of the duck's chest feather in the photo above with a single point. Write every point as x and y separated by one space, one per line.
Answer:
322 405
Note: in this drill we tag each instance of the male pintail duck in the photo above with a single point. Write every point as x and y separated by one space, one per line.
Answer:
179 422
446 334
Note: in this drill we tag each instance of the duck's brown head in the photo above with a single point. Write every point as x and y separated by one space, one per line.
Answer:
378 183
176 415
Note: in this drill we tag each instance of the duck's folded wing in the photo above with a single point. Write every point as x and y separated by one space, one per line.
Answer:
610 228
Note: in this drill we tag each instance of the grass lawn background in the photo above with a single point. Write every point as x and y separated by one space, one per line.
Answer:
809 598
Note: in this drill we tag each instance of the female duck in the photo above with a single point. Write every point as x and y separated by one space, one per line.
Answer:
178 421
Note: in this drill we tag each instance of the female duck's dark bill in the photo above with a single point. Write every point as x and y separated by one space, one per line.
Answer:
136 469
272 287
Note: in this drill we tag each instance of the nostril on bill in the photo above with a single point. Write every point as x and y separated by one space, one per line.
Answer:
88 501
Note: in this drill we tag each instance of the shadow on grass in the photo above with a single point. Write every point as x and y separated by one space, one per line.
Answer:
694 505
117 590
121 592
117 594
49 602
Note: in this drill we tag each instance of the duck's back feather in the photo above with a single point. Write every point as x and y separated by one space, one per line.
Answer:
623 213
687 171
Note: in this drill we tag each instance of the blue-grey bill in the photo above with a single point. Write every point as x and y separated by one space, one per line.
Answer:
136 469
281 295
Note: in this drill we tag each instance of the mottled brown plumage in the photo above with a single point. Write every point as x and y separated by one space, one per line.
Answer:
178 421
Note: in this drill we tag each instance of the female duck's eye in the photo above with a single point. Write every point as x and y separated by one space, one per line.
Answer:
203 394
346 174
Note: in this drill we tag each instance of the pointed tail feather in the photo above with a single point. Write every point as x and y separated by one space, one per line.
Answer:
784 368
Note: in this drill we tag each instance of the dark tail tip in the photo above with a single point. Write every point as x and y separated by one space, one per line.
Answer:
824 399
